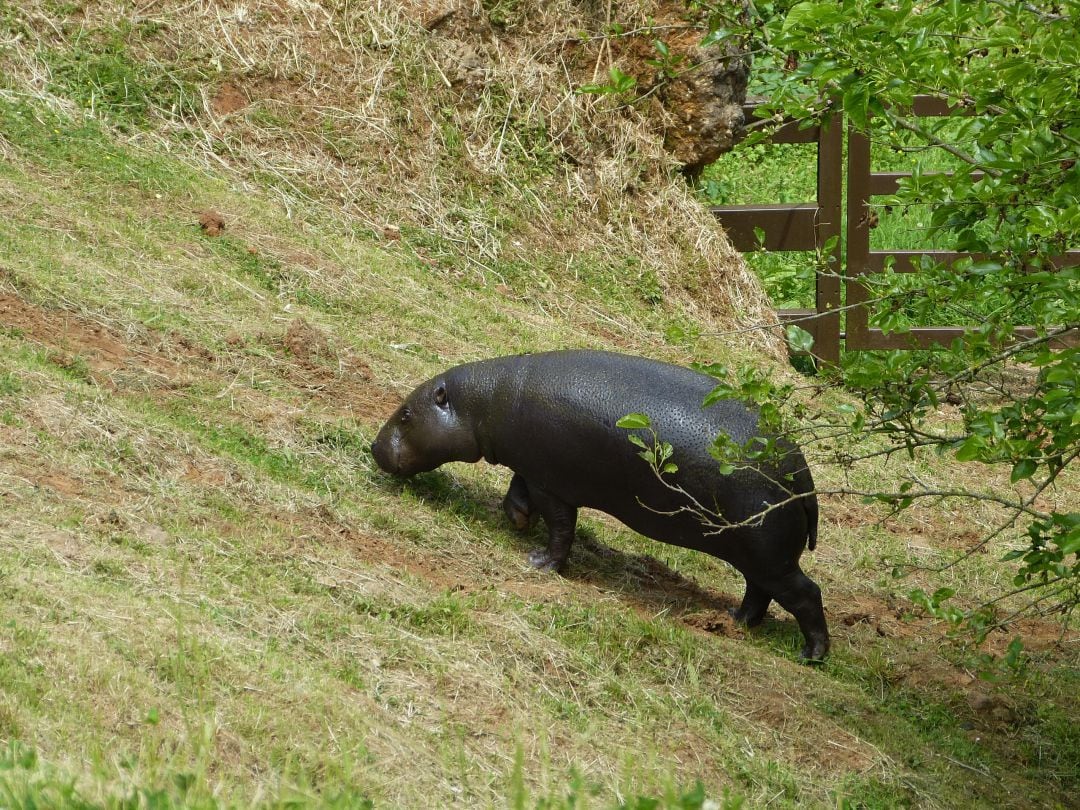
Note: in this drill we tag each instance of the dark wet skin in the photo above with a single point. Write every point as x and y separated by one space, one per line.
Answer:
551 419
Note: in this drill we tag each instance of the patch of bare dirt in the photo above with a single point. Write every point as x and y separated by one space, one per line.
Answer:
306 343
340 380
854 620
336 377
714 622
228 99
886 617
207 473
986 708
182 345
919 529
72 336
60 483
1041 635
322 525
813 740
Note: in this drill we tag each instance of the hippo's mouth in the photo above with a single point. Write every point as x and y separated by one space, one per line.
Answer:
385 457
391 460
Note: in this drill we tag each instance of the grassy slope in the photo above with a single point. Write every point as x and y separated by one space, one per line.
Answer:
208 593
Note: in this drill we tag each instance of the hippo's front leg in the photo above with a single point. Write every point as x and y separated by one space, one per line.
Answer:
517 505
561 519
754 605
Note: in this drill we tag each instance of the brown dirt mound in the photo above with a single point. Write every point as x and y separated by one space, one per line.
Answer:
306 343
212 223
228 99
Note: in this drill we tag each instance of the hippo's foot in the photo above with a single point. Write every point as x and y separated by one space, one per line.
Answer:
754 606
544 560
814 651
746 619
801 597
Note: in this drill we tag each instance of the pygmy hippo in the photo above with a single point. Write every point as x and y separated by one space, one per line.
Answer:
551 418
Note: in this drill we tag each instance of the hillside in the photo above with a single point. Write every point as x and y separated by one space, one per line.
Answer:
232 237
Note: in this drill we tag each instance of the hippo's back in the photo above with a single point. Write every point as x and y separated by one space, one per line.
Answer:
552 417
605 386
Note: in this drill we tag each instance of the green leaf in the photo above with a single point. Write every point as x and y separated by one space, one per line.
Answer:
984 268
634 420
621 81
1025 468
856 104
1070 545
971 449
717 370
717 35
722 391
942 594
798 338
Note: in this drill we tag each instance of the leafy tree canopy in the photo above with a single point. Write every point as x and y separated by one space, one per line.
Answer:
1012 72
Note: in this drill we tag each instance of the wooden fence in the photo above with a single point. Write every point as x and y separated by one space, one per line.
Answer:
809 226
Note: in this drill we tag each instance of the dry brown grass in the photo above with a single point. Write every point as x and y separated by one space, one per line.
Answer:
469 139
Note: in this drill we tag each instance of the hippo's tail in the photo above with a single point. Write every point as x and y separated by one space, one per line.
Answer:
802 488
811 507
804 485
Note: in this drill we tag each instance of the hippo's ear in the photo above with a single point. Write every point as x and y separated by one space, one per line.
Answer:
440 395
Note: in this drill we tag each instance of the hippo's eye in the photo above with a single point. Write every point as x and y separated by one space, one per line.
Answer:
405 414
440 396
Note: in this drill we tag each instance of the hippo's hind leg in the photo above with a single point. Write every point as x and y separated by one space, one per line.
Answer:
517 505
801 597
753 607
561 518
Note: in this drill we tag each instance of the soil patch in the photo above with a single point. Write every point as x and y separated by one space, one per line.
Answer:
79 343
73 337
228 99
338 378
319 526
306 343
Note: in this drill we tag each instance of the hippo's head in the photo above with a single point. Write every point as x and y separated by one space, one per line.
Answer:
425 432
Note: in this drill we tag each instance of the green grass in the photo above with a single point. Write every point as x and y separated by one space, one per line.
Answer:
209 597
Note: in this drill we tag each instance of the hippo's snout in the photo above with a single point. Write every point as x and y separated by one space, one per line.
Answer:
385 457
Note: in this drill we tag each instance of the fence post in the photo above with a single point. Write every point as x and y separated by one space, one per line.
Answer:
857 256
802 226
830 180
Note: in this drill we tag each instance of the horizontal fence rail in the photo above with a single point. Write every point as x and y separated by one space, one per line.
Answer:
859 260
803 226
810 225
